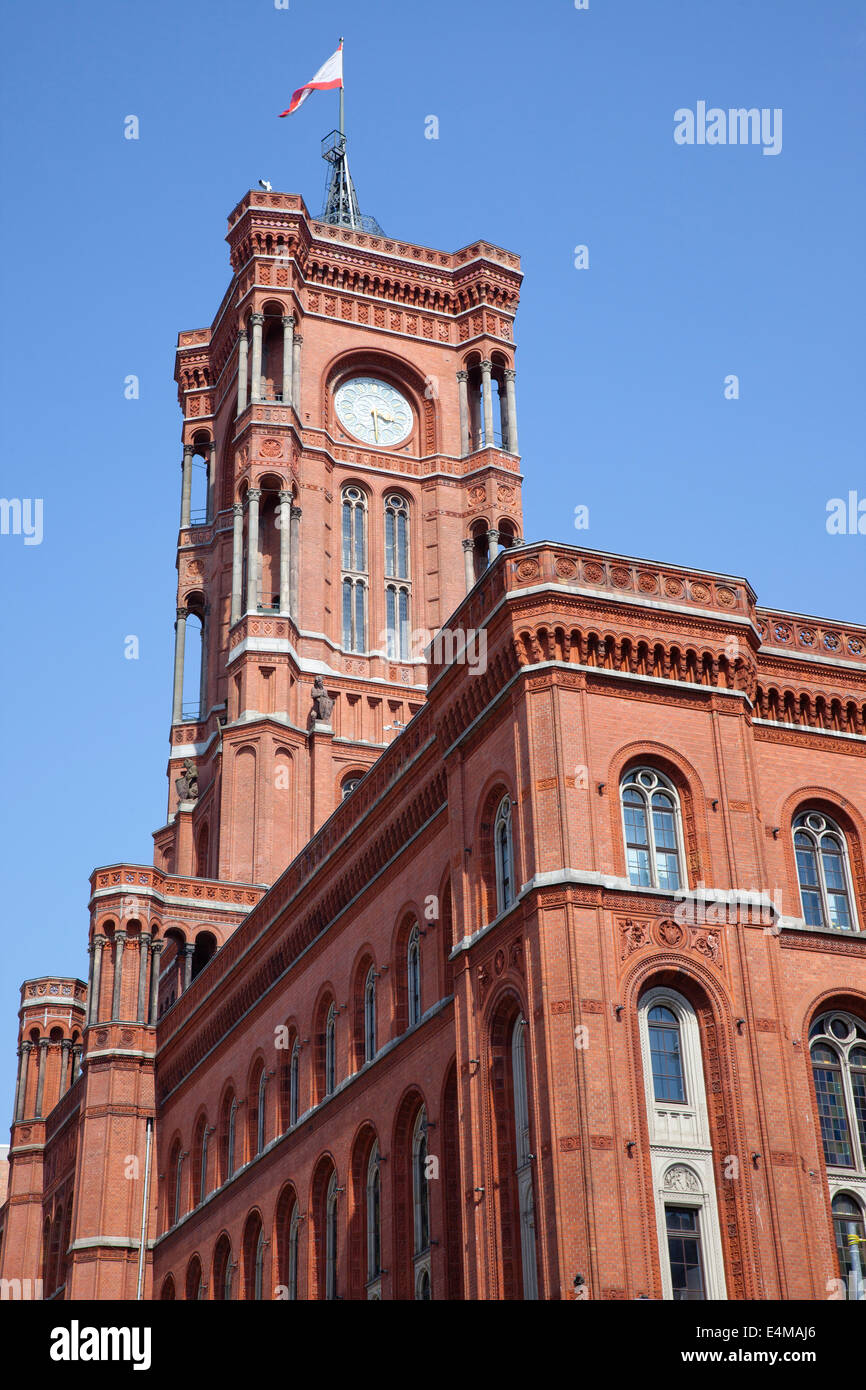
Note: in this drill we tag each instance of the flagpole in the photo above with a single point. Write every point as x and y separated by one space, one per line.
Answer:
342 129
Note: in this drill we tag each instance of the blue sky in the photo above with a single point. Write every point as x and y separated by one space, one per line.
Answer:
555 130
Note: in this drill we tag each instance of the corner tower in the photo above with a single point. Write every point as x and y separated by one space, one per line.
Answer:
350 466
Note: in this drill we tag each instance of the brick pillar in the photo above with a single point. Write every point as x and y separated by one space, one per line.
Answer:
296 374
23 1077
211 481
469 563
492 545
257 320
93 1012
188 953
511 399
40 1078
253 549
486 384
186 487
77 1050
294 562
285 551
65 1049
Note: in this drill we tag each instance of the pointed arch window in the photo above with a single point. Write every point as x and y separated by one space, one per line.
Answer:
838 1051
413 970
652 828
420 1184
260 1112
370 1015
202 1182
525 1191
294 1082
230 1140
259 1266
397 596
823 872
294 1241
374 1216
330 1051
178 1179
850 1232
354 565
331 1238
504 851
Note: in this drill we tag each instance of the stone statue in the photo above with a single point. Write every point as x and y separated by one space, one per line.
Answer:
322 702
187 784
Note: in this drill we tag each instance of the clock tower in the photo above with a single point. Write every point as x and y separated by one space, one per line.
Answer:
350 466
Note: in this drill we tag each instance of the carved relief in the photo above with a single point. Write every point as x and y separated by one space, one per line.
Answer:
679 1178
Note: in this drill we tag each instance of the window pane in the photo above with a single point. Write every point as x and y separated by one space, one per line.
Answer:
402 570
639 867
848 1222
840 916
807 864
347 615
404 625
391 622
347 536
360 644
812 909
668 866
831 1109
389 542
635 823
360 539
858 1086
833 871
684 1252
667 1065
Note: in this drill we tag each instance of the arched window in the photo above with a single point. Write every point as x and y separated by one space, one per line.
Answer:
374 1217
396 537
421 1206
504 851
294 1082
823 872
194 1289
653 834
260 1112
525 1193
200 1151
348 786
294 1240
230 1139
666 1054
354 556
850 1231
838 1050
413 971
370 1015
177 1180
681 1154
330 1051
223 1269
331 1239
259 1266
398 644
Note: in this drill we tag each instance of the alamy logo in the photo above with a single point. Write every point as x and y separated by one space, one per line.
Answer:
736 126
76 1343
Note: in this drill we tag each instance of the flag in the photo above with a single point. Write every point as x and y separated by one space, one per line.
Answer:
330 75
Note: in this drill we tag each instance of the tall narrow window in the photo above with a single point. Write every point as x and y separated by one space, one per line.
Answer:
413 966
330 1051
397 620
838 1049
666 1054
354 557
294 1079
525 1194
374 1216
205 1137
684 1253
850 1231
260 1112
259 1270
331 1239
653 836
178 1179
230 1140
504 851
294 1239
823 872
370 1015
420 1185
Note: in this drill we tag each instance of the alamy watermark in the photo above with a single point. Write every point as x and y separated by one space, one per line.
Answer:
714 125
22 516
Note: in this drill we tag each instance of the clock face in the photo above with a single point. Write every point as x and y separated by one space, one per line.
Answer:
373 411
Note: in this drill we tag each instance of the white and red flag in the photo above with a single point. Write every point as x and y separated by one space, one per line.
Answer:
330 75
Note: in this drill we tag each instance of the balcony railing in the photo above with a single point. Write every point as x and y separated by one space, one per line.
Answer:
191 714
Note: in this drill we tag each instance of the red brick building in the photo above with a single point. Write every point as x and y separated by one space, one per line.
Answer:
530 963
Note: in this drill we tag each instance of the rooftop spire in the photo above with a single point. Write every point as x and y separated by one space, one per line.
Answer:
341 201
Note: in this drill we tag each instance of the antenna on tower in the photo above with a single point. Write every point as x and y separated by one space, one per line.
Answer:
341 201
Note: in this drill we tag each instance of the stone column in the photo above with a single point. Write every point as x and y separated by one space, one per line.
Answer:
492 545
253 549
143 960
40 1082
188 953
257 320
295 564
211 481
243 353
237 559
511 399
186 489
65 1049
119 948
288 352
23 1077
155 953
486 385
285 549
179 645
469 563
463 398
296 374
98 943
77 1050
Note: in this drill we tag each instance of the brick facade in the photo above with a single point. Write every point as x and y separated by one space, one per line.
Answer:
395 1044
